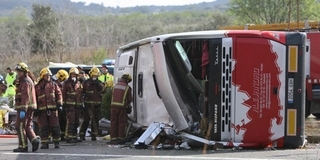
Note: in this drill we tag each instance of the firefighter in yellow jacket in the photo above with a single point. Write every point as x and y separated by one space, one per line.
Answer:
92 89
72 95
49 100
25 104
121 98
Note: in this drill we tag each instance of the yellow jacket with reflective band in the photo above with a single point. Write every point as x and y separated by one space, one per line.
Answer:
48 95
11 91
121 95
72 93
106 79
11 78
26 95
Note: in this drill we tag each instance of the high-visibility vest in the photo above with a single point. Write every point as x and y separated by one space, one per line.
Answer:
106 79
10 78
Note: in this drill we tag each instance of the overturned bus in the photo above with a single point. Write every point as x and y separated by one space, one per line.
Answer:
233 88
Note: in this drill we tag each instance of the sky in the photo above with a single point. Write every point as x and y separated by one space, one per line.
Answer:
133 3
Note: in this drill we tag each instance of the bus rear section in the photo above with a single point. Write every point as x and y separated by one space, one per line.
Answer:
256 89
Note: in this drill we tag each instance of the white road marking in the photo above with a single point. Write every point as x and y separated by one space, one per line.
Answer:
136 156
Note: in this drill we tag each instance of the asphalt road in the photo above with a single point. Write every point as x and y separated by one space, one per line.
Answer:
95 150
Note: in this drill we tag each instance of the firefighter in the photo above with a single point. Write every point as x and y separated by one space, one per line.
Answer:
92 89
82 76
85 76
25 104
49 100
107 79
61 76
72 95
121 99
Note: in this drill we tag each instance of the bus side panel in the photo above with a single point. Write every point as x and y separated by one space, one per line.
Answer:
294 134
258 79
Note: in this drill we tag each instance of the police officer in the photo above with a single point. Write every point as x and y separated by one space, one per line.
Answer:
49 100
25 104
121 98
72 95
61 76
92 89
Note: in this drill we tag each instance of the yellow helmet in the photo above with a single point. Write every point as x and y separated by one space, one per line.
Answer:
62 75
94 71
74 70
45 71
126 77
22 67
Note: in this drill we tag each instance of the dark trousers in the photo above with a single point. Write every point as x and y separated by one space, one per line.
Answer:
119 120
91 112
72 114
49 123
62 122
24 128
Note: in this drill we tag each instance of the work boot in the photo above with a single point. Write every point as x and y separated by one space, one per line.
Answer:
63 138
35 145
93 138
71 140
82 138
77 139
56 145
20 149
44 146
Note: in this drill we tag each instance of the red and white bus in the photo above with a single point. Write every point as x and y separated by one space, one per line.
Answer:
244 88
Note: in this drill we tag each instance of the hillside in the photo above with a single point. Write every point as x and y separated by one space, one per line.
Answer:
7 6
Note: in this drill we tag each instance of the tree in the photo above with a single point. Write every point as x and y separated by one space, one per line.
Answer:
44 30
273 11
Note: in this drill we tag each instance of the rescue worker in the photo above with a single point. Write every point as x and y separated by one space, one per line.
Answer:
11 89
25 104
61 76
92 89
107 79
49 100
85 76
10 77
82 76
121 99
72 95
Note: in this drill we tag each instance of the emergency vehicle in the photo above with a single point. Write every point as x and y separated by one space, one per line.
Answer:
312 64
237 88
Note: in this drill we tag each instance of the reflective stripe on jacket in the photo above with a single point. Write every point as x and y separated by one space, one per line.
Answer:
121 95
48 95
92 91
25 96
72 93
